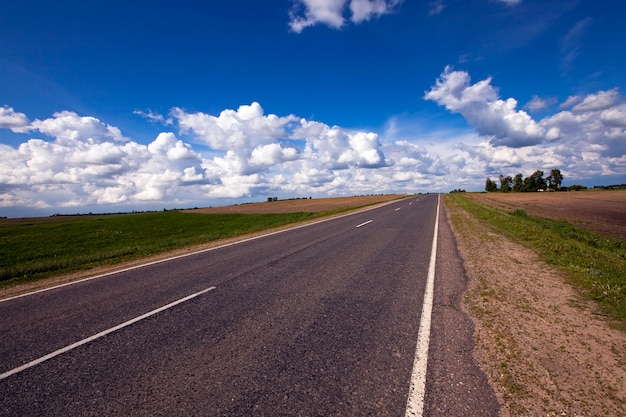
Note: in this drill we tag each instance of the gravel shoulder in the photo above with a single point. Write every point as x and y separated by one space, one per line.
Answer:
545 349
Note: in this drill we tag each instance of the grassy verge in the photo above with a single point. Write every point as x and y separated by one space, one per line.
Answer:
39 248
596 264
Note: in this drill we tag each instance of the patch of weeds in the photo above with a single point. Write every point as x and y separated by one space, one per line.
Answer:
520 213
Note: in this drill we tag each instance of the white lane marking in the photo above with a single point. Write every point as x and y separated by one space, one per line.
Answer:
398 209
417 391
363 224
99 335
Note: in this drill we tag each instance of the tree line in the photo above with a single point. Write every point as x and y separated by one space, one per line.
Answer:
534 182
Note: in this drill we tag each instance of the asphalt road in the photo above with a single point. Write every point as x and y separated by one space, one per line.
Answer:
317 321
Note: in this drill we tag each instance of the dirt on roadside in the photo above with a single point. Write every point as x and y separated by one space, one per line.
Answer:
545 349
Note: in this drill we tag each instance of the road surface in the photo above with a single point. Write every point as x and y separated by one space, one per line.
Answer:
321 320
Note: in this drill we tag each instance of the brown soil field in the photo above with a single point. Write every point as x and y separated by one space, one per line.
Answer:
313 205
602 211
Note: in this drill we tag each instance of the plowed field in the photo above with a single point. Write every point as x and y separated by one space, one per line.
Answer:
601 211
313 205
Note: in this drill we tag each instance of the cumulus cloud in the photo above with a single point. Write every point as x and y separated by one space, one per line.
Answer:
363 10
570 102
81 161
88 162
306 13
614 116
481 106
587 138
537 103
599 101
10 119
272 154
597 122
244 128
70 160
68 127
250 141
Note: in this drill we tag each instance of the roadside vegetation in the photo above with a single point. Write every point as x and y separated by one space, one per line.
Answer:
41 247
596 263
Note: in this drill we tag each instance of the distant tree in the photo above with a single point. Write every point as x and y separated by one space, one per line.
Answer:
518 183
535 182
554 179
505 183
577 187
490 185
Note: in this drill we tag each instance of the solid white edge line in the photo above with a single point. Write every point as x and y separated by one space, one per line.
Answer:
192 253
99 335
363 224
417 390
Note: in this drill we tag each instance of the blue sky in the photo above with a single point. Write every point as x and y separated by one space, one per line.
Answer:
116 105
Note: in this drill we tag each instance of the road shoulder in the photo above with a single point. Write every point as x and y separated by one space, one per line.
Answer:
545 350
456 384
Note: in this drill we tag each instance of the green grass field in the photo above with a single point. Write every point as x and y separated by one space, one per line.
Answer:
37 248
595 263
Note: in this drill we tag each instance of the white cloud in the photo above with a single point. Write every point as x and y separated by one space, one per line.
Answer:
615 116
80 161
307 13
68 127
337 148
155 117
89 162
328 12
587 140
244 129
480 105
272 154
363 10
10 119
599 101
246 152
570 102
537 103
171 148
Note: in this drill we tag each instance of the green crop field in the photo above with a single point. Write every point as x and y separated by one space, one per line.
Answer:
37 248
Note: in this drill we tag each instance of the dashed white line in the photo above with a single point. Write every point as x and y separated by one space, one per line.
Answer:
363 224
99 335
417 391
398 209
